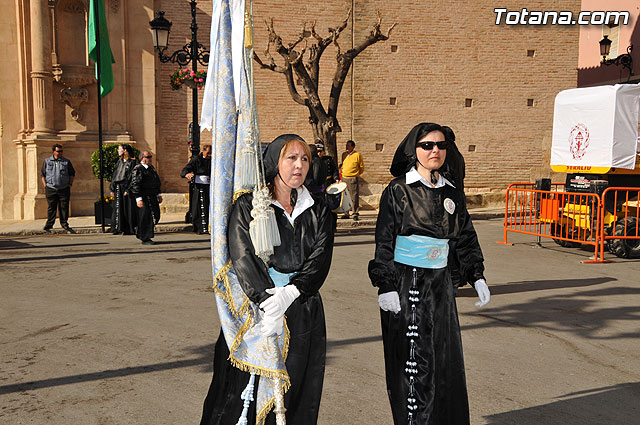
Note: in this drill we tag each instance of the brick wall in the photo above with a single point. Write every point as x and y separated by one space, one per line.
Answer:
446 52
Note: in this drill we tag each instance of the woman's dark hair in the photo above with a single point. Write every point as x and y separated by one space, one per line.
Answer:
129 149
404 159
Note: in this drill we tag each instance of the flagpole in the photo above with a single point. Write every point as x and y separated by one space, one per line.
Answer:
96 13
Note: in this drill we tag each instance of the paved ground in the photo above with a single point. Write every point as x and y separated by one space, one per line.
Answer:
98 329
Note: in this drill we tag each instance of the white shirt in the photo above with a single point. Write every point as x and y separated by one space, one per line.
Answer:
305 201
413 176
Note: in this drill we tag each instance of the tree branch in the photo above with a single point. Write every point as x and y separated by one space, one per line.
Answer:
272 66
345 60
293 91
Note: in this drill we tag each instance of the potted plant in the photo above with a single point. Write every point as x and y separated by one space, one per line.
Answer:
108 210
187 77
110 160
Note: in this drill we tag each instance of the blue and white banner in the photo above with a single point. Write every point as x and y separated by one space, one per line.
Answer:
229 111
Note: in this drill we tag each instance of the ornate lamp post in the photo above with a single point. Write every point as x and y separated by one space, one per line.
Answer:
191 53
624 59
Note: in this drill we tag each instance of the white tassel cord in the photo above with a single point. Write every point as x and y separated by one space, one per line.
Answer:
247 396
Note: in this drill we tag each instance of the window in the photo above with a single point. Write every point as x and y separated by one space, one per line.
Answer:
613 31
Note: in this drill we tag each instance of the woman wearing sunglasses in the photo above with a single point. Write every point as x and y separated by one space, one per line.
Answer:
421 213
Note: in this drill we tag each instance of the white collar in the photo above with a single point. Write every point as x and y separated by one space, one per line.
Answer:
305 201
413 176
144 165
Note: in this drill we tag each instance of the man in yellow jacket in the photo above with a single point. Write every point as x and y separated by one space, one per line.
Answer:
352 167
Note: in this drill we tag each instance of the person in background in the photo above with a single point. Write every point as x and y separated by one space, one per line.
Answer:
198 172
330 165
123 220
145 187
352 167
317 174
57 177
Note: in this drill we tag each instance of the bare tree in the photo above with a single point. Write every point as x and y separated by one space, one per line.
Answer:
304 63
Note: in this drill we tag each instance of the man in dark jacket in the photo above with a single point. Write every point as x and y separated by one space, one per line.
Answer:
57 177
145 187
317 173
198 172
330 165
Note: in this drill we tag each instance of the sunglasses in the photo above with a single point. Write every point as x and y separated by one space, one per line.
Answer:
59 151
147 156
427 146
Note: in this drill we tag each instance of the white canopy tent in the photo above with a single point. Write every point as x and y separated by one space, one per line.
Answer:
596 128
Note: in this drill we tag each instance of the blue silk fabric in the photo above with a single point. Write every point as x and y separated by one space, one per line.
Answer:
279 279
421 251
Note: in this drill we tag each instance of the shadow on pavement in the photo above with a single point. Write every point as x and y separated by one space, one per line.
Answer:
99 254
350 341
574 313
535 285
205 358
13 244
617 404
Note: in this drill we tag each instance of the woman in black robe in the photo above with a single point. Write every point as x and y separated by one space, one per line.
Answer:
124 216
198 172
302 259
421 212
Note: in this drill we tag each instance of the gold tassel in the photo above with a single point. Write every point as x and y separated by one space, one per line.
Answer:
248 27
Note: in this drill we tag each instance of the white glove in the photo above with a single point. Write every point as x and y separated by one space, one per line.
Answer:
483 292
389 301
282 298
271 325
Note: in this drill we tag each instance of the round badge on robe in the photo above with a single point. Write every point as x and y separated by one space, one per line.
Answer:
449 205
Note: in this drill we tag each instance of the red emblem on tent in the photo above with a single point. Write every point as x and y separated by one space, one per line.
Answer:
578 140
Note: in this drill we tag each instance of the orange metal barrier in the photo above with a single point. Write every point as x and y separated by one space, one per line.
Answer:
567 217
620 213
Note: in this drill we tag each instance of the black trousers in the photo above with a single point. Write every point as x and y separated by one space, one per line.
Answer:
58 200
199 207
148 217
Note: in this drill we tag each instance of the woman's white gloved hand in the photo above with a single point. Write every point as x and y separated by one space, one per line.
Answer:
483 292
282 298
389 301
271 325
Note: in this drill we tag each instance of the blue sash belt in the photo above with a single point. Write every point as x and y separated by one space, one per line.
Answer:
421 251
279 279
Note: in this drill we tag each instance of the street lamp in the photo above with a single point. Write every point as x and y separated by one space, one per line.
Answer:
192 52
624 59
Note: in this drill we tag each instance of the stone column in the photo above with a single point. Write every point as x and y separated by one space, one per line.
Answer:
41 68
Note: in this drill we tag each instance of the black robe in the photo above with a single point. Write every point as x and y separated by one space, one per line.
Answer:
124 218
316 176
199 193
306 248
145 184
439 388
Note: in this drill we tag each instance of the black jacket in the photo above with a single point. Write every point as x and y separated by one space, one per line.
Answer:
306 249
198 165
145 181
414 209
122 174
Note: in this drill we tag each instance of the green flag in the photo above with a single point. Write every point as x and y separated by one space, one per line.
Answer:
106 56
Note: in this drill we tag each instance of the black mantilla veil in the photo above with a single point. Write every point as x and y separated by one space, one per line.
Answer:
405 157
270 160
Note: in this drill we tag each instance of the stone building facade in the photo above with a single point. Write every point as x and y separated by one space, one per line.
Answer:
446 61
